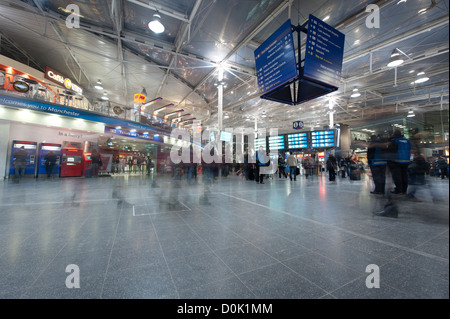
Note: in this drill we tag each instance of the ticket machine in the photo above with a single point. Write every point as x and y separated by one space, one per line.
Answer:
44 149
31 149
71 162
87 164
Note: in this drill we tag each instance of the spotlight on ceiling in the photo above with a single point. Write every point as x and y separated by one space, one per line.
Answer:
421 77
396 59
155 25
98 85
355 93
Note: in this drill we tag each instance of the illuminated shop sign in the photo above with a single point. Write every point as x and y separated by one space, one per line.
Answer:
58 78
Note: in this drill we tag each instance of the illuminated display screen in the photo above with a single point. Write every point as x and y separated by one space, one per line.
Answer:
25 146
51 148
276 142
212 137
226 136
322 139
299 140
70 159
260 142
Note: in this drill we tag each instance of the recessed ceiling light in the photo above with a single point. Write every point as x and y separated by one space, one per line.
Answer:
326 18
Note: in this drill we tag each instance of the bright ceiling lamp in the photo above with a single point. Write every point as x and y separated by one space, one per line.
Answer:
411 114
396 59
421 77
355 93
98 85
155 25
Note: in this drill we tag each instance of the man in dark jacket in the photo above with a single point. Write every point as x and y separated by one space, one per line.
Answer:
331 167
50 161
400 157
20 162
442 164
377 162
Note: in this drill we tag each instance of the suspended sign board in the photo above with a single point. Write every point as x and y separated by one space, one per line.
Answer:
275 60
324 53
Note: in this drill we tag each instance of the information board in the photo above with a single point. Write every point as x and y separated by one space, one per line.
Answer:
322 139
275 60
324 52
299 140
276 143
260 142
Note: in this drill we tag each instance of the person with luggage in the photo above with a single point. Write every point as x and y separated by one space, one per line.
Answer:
292 163
355 173
281 166
442 164
331 167
261 161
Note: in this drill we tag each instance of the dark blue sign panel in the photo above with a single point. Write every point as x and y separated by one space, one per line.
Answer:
298 125
324 53
275 60
322 139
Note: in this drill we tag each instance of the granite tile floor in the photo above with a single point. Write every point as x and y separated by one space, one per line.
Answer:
234 239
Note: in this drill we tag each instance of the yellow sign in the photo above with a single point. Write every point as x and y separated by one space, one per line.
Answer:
139 98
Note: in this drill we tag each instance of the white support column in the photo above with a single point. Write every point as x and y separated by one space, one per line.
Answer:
331 112
220 99
4 133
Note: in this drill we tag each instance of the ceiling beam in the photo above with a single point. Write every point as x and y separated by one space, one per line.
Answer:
179 43
249 37
161 9
63 39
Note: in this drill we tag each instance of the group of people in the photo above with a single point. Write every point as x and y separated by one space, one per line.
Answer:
393 155
20 163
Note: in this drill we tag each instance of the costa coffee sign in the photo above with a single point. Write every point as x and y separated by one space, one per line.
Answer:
58 78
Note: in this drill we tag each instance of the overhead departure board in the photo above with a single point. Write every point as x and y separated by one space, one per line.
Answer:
322 139
275 60
276 143
299 140
324 52
260 142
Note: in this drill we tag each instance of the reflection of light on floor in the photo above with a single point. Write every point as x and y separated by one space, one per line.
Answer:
322 192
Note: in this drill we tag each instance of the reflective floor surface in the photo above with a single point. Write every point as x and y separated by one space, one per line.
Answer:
134 237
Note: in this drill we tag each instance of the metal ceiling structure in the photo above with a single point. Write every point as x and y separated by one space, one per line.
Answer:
114 44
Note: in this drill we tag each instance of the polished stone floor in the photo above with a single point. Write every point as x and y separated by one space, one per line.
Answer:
233 239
